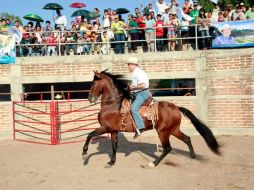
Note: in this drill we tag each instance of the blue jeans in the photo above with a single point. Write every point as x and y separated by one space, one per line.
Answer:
141 97
119 46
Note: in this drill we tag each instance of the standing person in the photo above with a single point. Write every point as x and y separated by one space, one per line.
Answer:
159 24
134 32
139 85
119 33
161 6
250 13
60 21
150 36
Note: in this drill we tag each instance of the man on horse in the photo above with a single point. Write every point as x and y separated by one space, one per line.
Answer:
139 86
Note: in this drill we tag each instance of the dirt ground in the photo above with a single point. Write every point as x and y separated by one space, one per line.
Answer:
25 166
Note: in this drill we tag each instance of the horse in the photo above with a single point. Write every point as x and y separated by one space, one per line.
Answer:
113 90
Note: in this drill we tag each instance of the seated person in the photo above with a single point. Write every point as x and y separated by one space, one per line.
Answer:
70 39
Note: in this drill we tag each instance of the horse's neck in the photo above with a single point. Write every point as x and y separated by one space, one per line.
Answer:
111 97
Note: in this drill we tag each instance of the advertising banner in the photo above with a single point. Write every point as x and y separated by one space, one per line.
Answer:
233 34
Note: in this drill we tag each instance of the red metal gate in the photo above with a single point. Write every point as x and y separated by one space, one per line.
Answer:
54 122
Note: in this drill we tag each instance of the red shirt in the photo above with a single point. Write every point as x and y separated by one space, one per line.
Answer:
52 41
140 21
160 29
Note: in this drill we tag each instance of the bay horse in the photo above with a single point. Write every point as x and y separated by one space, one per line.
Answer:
113 90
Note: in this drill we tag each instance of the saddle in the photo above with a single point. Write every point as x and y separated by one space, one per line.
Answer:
149 111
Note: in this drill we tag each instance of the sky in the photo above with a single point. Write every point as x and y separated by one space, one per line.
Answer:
23 7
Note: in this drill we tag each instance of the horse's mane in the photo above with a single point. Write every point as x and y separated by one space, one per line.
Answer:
119 83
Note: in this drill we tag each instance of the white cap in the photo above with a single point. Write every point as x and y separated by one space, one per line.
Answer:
132 60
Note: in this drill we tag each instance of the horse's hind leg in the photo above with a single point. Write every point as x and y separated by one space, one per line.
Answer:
114 140
178 134
164 137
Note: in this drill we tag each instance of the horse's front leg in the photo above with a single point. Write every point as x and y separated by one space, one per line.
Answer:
91 135
114 140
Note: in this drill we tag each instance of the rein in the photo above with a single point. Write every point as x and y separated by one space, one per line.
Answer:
108 100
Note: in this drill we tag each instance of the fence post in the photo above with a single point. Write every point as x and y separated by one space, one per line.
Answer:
54 125
196 36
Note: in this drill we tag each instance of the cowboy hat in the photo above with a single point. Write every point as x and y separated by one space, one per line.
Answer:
132 60
224 27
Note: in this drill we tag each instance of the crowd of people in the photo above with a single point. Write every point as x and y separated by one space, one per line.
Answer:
98 35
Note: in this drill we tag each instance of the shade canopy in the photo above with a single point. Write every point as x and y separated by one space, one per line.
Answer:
33 17
53 6
77 5
80 12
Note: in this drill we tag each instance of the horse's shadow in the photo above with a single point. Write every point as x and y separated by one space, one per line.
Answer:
127 147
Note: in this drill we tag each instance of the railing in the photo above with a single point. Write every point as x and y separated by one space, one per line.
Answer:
60 44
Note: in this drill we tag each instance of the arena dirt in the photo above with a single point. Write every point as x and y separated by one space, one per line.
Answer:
25 166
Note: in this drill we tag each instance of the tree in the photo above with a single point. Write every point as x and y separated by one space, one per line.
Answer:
209 6
11 17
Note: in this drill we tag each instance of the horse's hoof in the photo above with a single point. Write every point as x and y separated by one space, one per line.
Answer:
193 156
110 164
151 165
84 157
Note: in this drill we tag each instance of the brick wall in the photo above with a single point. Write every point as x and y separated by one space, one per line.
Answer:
224 81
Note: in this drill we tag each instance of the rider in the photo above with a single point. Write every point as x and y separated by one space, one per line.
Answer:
139 85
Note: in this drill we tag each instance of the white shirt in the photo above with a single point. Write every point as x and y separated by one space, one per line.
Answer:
139 76
61 20
161 7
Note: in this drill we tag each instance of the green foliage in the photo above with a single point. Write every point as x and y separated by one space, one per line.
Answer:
209 6
11 17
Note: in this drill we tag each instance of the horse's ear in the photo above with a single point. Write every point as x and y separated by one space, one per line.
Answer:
97 74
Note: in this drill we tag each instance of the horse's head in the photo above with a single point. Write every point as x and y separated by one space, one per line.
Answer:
96 88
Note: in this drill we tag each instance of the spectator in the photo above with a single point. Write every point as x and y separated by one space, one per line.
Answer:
134 32
194 13
159 24
226 16
96 45
150 35
48 28
230 9
220 17
106 19
203 28
36 48
210 18
161 6
82 24
185 34
87 45
80 48
250 13
150 8
216 11
52 44
60 21
172 24
27 50
153 17
18 27
38 33
136 11
141 25
238 14
172 6
186 6
70 39
44 47
8 23
30 26
119 33
104 46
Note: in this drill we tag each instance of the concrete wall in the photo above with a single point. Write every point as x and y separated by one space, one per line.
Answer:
224 82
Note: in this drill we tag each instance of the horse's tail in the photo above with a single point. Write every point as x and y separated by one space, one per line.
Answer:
203 130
